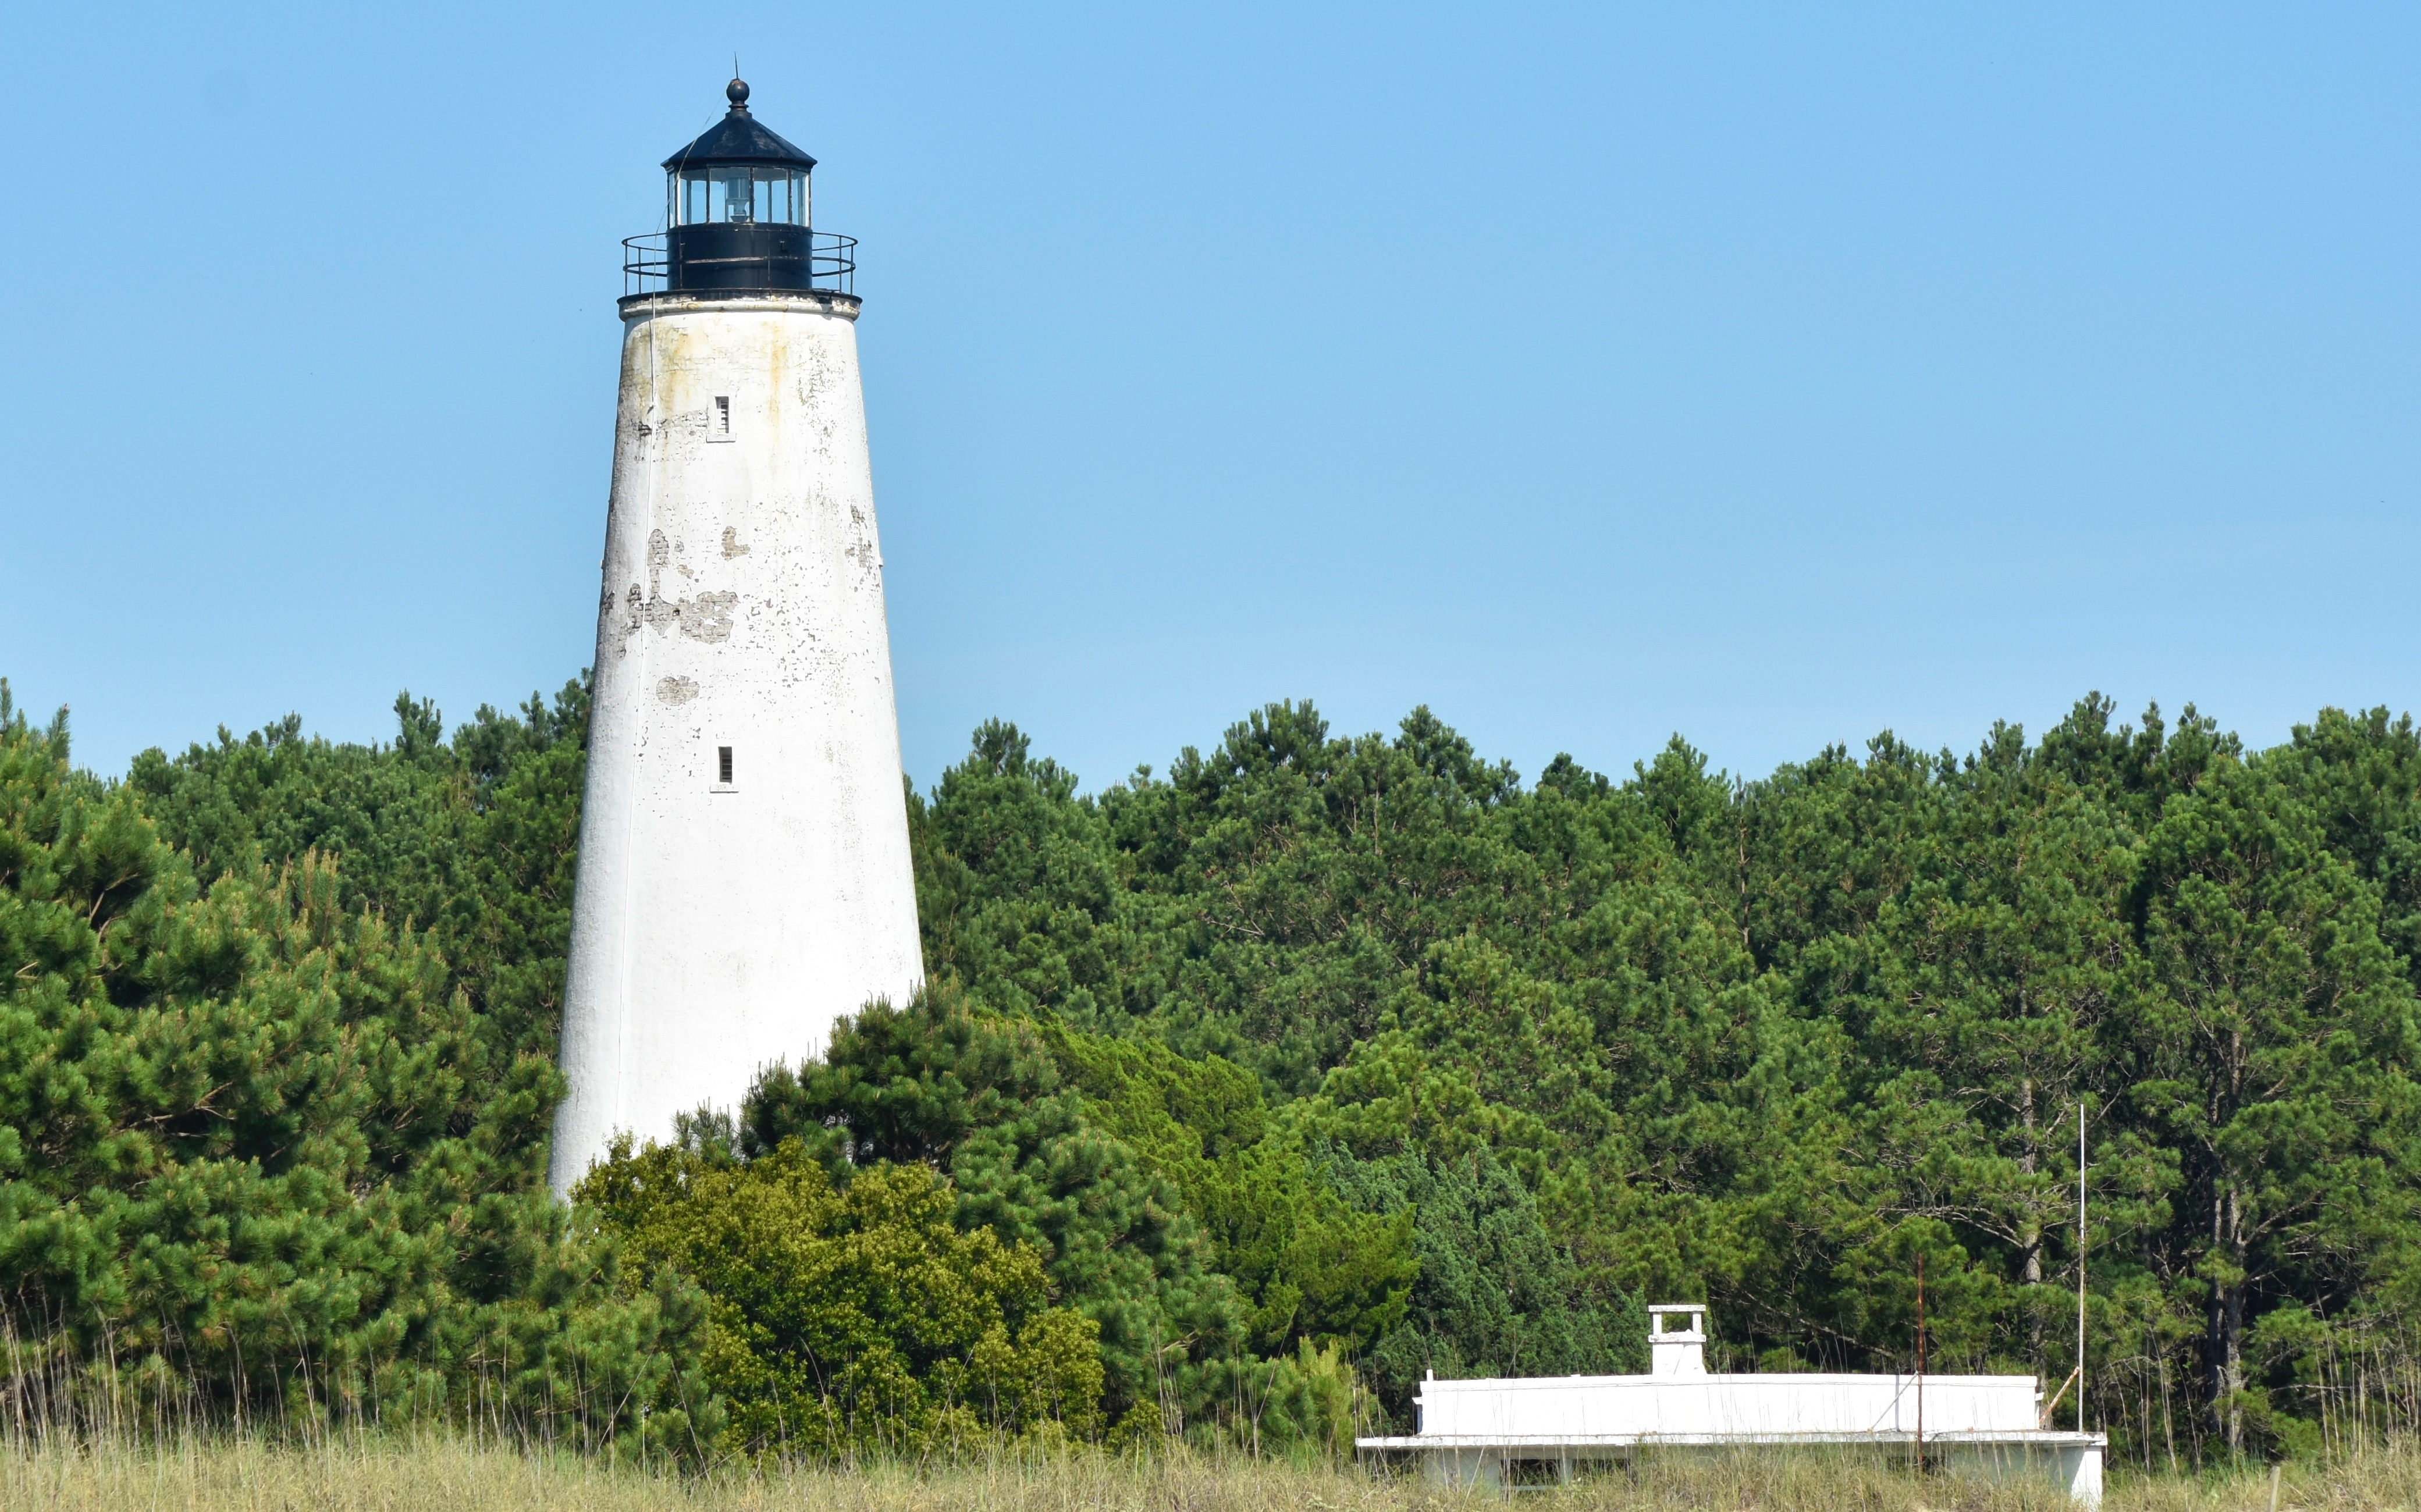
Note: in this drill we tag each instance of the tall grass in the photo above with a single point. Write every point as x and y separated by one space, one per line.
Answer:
100 1434
455 1473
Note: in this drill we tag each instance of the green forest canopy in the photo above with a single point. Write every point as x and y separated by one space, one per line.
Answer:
1248 1093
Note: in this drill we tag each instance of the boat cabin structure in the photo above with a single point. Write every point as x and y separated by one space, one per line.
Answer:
1498 1434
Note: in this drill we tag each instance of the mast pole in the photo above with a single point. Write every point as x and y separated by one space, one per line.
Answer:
2080 1265
1920 1361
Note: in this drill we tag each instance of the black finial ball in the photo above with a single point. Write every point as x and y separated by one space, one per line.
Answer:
737 92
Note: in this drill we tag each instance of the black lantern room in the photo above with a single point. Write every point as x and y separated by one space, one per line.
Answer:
736 216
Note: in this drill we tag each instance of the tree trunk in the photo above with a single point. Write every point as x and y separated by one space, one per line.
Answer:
2226 1329
2030 1229
2227 1242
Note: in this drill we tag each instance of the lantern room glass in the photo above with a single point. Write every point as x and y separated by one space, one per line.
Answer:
737 194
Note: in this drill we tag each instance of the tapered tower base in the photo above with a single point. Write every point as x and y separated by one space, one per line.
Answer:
744 876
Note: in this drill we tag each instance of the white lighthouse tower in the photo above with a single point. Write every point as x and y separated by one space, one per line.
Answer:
744 876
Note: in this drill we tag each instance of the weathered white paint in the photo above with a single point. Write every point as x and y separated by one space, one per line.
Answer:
2072 1460
1727 1406
1471 1432
1676 1351
720 927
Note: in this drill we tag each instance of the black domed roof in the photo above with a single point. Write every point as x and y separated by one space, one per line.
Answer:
737 138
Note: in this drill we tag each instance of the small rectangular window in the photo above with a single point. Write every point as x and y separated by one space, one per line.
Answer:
723 765
718 423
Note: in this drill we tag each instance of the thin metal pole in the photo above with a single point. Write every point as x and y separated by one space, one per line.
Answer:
1920 1361
2080 1265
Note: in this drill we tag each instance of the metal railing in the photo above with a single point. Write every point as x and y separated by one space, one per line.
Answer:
831 258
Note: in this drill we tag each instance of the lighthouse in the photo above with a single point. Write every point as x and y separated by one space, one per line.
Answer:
744 875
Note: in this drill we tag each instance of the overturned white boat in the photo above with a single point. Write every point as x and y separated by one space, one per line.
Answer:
1492 1434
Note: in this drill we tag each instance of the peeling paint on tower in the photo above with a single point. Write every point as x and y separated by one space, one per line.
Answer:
744 875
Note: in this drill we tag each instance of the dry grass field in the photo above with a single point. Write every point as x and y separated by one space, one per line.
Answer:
453 1474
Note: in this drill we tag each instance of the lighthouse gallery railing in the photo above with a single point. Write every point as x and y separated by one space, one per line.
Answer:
832 263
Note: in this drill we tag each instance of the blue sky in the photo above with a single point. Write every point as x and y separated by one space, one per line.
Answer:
1775 376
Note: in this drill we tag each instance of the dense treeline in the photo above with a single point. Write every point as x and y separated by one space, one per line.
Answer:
1767 1043
1248 1093
271 1134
